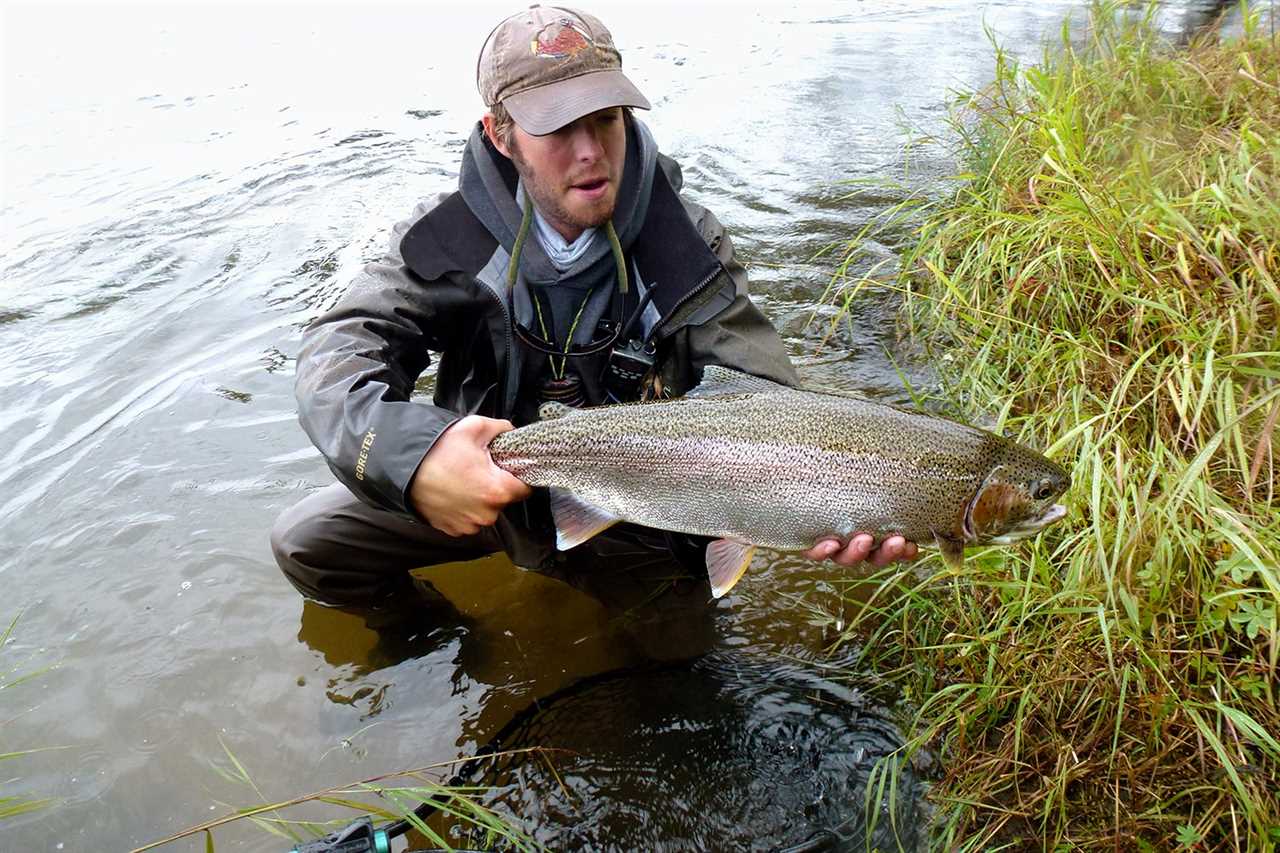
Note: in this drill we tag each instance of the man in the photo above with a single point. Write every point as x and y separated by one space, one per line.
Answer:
566 266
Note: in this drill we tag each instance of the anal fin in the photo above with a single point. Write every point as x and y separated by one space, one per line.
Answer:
576 520
727 561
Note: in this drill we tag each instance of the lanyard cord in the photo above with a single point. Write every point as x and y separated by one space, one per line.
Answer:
537 304
513 271
618 261
513 268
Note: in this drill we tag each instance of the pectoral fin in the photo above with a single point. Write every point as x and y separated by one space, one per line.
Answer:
952 549
576 520
727 561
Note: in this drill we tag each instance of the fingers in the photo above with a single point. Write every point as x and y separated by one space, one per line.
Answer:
502 488
466 521
505 488
822 550
483 429
460 528
893 548
457 487
862 547
858 549
482 506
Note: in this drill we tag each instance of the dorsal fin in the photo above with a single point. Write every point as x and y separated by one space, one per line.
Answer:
720 381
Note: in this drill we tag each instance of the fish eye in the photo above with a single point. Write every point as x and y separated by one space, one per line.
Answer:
1044 490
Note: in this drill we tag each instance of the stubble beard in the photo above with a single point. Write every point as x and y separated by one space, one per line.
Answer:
549 204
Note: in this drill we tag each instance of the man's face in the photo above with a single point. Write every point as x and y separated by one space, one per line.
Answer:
572 173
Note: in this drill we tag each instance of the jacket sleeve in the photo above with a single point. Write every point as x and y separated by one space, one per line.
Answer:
355 375
739 336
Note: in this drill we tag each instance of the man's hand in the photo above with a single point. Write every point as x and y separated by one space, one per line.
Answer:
859 549
457 488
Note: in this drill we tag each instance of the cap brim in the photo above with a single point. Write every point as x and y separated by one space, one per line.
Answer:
548 108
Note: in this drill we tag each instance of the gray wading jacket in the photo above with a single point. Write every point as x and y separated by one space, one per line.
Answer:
443 288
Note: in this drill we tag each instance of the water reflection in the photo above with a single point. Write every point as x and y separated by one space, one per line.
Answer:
500 625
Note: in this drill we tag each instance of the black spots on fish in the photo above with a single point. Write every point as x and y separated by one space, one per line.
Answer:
778 468
994 451
1042 479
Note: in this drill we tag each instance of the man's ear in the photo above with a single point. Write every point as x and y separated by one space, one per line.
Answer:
487 119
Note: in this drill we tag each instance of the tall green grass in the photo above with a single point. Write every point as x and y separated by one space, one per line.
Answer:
1106 282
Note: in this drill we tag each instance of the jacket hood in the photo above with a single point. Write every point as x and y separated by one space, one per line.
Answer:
492 188
577 297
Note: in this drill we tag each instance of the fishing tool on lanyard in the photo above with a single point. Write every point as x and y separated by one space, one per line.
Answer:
628 363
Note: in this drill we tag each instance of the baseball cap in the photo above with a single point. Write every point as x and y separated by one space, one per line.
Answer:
550 65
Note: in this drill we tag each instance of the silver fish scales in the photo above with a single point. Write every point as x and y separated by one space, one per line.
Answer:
750 462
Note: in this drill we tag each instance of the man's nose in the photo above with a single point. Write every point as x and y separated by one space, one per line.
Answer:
587 142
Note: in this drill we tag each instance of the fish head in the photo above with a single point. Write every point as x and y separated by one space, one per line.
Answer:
1017 498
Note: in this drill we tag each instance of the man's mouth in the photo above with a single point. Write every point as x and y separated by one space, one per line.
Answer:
592 188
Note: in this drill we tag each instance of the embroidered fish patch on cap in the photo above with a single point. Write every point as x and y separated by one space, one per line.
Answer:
551 66
560 39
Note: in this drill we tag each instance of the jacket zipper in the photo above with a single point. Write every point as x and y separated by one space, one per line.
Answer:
508 351
694 291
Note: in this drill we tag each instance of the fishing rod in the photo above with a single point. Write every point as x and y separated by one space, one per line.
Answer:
361 836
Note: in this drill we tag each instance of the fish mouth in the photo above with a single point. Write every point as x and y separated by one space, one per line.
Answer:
1031 526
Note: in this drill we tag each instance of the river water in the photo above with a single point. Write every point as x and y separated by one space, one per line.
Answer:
184 188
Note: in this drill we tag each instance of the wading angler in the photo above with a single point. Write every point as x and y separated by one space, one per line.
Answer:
568 267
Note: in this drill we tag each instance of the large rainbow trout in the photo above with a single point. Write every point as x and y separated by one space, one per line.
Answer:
751 462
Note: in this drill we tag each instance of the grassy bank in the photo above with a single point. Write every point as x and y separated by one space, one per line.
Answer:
1107 283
